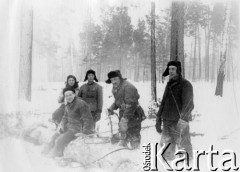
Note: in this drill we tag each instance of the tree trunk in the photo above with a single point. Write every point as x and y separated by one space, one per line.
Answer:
199 55
136 69
195 54
214 49
177 33
25 62
143 72
224 45
72 59
228 64
206 57
120 46
191 61
153 54
98 60
160 74
207 37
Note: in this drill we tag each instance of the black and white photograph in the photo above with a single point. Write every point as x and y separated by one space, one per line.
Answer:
119 85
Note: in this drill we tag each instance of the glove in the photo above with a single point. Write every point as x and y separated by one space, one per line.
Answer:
158 128
159 125
123 106
123 125
60 129
97 116
110 111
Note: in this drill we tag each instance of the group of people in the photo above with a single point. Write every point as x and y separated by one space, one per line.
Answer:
81 108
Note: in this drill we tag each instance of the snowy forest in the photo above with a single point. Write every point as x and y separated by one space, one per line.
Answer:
44 41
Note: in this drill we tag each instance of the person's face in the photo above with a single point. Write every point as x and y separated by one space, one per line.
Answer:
69 96
90 77
115 81
71 81
172 71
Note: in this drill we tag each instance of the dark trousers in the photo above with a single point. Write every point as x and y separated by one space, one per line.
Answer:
133 133
60 141
94 118
181 140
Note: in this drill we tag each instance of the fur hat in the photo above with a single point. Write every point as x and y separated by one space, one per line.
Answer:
173 63
112 74
92 72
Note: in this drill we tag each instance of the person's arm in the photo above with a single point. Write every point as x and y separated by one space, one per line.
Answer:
131 97
159 114
86 116
64 121
77 91
61 97
112 107
162 104
80 92
187 100
99 103
99 99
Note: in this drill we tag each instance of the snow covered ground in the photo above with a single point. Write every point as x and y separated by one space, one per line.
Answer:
217 122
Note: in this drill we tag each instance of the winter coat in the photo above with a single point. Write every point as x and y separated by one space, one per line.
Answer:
177 99
77 117
93 95
59 112
126 99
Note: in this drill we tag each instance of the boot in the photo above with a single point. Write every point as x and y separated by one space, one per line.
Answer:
123 143
135 144
115 138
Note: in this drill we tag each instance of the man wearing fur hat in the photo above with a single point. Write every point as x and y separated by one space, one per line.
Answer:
92 93
130 112
175 110
77 119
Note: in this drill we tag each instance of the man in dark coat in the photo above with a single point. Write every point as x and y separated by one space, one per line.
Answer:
175 109
77 119
130 112
91 92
